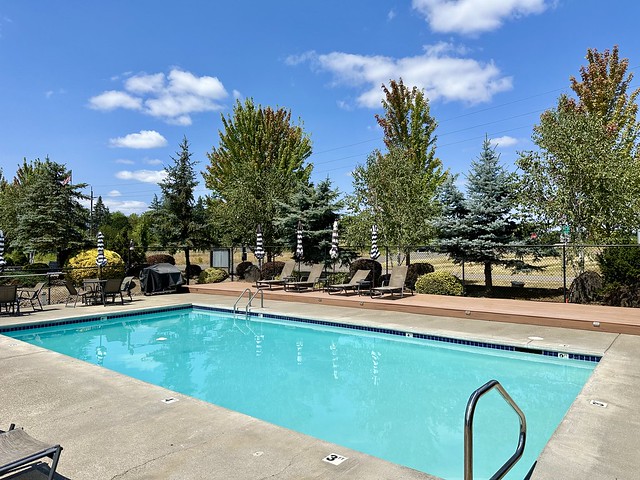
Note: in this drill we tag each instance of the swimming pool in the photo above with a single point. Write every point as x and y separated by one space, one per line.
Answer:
373 390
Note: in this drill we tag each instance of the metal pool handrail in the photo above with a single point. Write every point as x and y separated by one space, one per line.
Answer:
468 430
251 297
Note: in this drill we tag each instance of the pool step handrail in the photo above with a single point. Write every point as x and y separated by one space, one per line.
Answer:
251 297
235 305
468 430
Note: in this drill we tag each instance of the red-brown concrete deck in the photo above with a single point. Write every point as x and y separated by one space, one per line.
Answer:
583 317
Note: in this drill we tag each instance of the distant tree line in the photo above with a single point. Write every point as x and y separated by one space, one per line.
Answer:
584 176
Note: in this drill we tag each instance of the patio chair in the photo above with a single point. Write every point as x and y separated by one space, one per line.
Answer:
76 293
112 288
285 276
355 284
312 279
9 298
32 295
18 449
396 283
127 285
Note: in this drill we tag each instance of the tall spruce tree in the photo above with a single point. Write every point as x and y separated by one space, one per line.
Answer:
50 217
174 212
316 206
479 227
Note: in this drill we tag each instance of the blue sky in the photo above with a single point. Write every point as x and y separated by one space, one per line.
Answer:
110 88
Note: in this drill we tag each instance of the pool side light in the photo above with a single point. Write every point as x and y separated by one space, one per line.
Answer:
596 324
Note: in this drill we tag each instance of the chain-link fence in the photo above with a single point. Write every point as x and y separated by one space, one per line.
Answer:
527 271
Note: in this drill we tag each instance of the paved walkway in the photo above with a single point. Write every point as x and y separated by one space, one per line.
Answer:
115 427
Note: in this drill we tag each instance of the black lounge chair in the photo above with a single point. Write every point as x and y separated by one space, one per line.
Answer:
18 449
285 276
32 295
355 284
312 279
396 283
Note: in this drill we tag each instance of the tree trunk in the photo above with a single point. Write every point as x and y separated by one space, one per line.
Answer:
188 262
488 281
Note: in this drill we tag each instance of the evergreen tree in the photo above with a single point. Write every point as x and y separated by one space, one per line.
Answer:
174 212
479 228
316 207
50 218
99 217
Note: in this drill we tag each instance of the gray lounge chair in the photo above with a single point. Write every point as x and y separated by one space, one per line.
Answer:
18 449
355 284
312 279
32 295
9 299
126 286
396 283
112 288
76 293
285 276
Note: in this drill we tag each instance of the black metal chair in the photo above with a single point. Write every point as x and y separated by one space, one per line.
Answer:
32 295
9 298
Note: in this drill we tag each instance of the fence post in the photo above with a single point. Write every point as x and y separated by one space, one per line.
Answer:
564 272
464 282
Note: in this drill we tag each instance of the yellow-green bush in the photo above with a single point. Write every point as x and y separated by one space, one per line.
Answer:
83 265
213 275
439 283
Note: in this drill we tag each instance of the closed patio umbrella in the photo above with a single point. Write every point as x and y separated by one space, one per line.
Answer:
259 251
374 253
3 262
333 253
101 260
299 250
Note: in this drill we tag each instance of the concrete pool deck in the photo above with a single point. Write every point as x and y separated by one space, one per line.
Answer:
115 427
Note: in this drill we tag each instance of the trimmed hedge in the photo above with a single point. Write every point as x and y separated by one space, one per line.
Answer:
439 283
620 265
83 265
271 270
416 270
213 275
241 268
160 258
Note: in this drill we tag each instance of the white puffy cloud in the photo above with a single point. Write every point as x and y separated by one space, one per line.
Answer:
126 206
505 141
114 193
144 139
441 71
470 17
112 99
124 161
146 176
153 161
173 97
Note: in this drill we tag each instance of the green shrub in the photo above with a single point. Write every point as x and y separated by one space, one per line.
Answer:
271 270
241 268
439 283
36 268
620 265
213 275
160 258
366 264
83 265
194 270
415 270
586 288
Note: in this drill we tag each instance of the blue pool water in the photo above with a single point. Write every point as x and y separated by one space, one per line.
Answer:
401 399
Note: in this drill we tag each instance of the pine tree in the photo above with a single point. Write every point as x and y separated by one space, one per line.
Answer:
479 227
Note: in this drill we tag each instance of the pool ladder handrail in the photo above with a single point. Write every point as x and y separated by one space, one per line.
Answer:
468 430
251 297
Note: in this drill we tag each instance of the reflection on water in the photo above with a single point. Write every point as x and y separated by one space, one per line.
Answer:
396 398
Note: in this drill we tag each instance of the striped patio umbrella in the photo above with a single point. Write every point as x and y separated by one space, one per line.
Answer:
299 250
374 253
3 262
101 260
259 251
333 253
